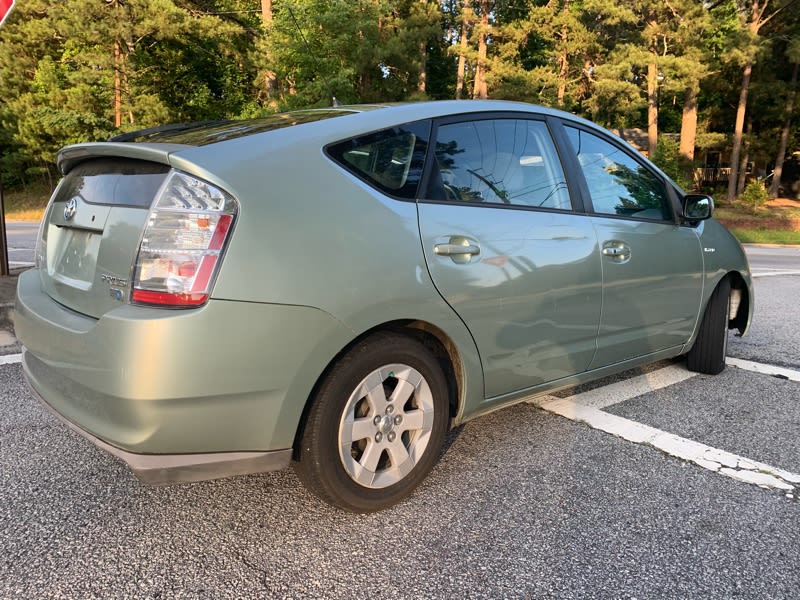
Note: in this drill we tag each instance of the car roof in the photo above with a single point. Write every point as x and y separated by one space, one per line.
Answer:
322 125
210 132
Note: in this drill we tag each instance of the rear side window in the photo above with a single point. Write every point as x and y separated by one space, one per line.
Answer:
390 160
113 182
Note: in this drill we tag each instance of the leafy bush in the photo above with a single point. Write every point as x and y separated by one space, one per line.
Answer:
668 157
755 196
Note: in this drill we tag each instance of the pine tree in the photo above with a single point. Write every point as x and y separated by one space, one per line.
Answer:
72 71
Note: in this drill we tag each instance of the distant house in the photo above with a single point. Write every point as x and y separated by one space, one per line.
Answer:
712 167
635 137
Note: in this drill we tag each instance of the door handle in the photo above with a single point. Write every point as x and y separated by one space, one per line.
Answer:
617 251
460 249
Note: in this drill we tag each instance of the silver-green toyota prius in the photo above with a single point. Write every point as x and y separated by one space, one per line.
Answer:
335 288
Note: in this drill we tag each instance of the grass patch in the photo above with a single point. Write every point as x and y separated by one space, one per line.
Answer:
766 236
778 222
26 204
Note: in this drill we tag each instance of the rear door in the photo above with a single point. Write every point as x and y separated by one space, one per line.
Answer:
652 266
506 249
92 231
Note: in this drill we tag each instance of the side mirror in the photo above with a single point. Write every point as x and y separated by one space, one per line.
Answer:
697 207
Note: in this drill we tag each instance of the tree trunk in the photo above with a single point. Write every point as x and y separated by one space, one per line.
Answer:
117 86
563 60
423 65
125 83
652 108
270 78
774 189
740 180
739 129
689 123
128 95
462 58
688 136
479 90
562 80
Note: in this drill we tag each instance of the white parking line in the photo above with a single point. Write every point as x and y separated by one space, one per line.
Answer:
585 408
633 388
10 359
775 273
764 369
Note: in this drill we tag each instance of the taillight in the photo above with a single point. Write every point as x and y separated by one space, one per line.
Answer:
186 233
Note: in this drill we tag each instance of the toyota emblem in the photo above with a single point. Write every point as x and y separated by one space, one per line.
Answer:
70 209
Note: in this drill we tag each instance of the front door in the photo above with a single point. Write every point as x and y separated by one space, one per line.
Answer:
652 266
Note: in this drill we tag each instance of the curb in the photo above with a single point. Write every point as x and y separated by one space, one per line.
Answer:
6 310
749 245
8 343
8 285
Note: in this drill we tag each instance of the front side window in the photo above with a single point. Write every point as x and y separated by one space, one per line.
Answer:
618 184
498 161
391 160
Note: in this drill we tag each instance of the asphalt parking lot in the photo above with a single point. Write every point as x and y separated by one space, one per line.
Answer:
524 503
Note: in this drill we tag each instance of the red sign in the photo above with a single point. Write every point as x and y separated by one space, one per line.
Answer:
5 9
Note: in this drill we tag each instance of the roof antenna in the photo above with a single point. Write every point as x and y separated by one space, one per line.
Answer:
335 102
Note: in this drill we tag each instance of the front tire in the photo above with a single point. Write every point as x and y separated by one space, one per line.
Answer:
709 350
376 426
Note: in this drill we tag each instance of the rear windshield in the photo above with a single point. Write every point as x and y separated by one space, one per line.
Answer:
113 181
200 134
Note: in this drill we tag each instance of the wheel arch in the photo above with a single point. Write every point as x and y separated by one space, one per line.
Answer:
741 302
432 337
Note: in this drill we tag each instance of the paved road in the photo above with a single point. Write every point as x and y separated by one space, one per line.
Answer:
21 242
774 337
523 504
773 260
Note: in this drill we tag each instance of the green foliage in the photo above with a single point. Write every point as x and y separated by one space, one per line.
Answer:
755 196
668 157
70 69
320 49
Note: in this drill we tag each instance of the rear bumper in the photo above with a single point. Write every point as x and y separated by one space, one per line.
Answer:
229 377
165 469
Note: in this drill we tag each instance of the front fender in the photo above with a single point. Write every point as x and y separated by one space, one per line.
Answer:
724 255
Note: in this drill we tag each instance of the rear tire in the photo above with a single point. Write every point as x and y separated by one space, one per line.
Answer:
376 426
709 350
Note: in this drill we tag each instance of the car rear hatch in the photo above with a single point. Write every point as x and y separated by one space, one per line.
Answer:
125 227
92 229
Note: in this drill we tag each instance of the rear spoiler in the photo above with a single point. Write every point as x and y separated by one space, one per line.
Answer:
70 156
